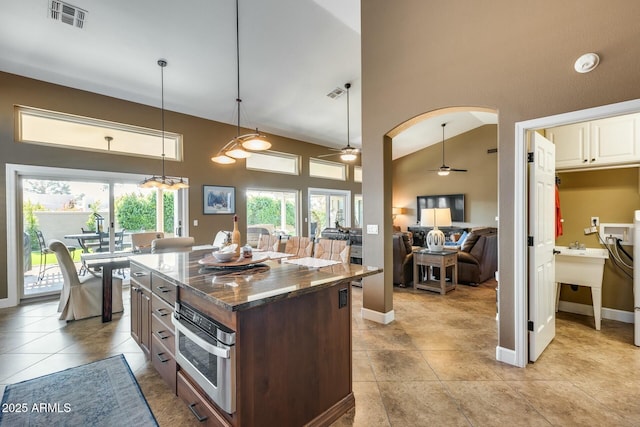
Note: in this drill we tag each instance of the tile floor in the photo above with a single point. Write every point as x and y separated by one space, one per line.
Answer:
435 365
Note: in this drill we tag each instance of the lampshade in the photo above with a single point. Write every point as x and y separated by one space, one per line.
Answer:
256 142
348 157
399 211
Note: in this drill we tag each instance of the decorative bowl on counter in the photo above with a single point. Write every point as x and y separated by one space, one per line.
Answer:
224 256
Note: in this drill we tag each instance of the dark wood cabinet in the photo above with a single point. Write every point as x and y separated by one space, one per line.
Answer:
141 309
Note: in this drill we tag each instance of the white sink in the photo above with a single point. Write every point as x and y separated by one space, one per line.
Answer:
582 267
586 252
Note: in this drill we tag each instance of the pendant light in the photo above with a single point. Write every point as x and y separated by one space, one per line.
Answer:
348 153
163 182
241 146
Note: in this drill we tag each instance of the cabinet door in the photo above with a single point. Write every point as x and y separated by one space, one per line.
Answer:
135 313
145 321
572 148
614 140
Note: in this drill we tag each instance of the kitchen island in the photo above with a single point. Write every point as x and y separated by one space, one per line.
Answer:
289 362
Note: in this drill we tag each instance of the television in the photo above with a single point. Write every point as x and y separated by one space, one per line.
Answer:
455 202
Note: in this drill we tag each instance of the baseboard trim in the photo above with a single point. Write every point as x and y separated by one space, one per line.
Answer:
587 310
506 355
376 316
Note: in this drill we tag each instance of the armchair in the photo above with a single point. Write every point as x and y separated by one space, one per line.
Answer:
402 259
478 256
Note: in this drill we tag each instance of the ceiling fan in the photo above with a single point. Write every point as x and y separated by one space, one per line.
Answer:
444 169
348 153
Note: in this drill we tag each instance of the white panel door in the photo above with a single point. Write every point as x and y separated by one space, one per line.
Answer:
542 287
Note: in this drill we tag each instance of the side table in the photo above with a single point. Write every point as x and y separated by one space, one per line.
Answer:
424 261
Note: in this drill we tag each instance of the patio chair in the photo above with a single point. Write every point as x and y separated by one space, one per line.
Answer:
81 297
44 251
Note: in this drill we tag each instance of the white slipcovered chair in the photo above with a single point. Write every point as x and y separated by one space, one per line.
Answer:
141 242
81 297
172 244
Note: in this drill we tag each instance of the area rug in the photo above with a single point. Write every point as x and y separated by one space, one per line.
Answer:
102 393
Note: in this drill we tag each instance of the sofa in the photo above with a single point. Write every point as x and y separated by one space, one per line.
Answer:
402 259
478 256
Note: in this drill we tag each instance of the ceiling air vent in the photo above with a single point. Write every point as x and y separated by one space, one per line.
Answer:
336 93
67 13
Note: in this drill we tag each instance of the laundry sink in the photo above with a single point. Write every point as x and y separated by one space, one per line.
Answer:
585 252
582 267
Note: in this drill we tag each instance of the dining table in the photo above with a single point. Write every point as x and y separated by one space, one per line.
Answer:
82 239
107 262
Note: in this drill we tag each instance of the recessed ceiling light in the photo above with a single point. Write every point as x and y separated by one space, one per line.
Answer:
587 62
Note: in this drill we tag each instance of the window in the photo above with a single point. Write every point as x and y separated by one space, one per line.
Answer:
329 170
358 210
274 162
273 211
357 174
328 208
84 133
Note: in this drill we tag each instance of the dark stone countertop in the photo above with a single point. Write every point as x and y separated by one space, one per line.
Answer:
235 289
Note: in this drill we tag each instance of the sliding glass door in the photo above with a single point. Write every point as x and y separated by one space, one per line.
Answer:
95 214
328 208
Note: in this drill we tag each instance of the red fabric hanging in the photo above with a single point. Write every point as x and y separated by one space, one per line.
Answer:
558 214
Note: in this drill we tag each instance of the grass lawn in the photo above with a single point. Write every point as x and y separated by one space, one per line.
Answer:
51 258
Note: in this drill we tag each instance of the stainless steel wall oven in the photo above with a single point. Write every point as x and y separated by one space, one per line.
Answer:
205 350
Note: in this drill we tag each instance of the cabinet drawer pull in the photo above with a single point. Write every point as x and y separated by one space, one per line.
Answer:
139 274
200 418
162 312
160 335
161 358
163 289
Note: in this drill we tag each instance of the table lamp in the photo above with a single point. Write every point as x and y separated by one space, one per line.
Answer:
434 218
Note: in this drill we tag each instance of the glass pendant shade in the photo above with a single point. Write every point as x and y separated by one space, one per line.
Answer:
443 173
348 157
238 153
256 142
223 159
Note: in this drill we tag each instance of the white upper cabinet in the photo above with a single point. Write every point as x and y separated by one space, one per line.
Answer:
600 143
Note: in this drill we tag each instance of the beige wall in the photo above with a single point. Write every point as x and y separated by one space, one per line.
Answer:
202 139
611 195
514 56
479 185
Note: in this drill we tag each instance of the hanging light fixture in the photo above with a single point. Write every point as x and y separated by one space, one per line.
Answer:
163 182
348 153
241 146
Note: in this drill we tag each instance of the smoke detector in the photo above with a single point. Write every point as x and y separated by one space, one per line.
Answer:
66 13
587 62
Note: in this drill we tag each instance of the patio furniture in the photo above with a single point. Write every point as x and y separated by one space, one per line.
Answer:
44 251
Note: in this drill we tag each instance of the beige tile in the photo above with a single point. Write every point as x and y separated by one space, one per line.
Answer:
562 403
11 364
49 343
454 365
369 410
52 363
413 403
621 397
12 340
362 369
493 403
394 365
386 339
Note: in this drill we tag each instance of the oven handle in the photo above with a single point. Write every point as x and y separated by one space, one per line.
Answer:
216 351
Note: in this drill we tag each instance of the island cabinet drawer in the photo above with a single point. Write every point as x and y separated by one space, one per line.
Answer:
140 275
164 289
162 310
202 410
163 334
164 362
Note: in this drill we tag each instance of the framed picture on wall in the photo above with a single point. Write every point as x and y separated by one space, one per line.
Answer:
218 200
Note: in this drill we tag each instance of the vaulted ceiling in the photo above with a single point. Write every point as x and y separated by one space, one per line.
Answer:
293 53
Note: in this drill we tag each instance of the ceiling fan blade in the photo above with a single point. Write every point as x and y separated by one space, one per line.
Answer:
457 170
329 155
